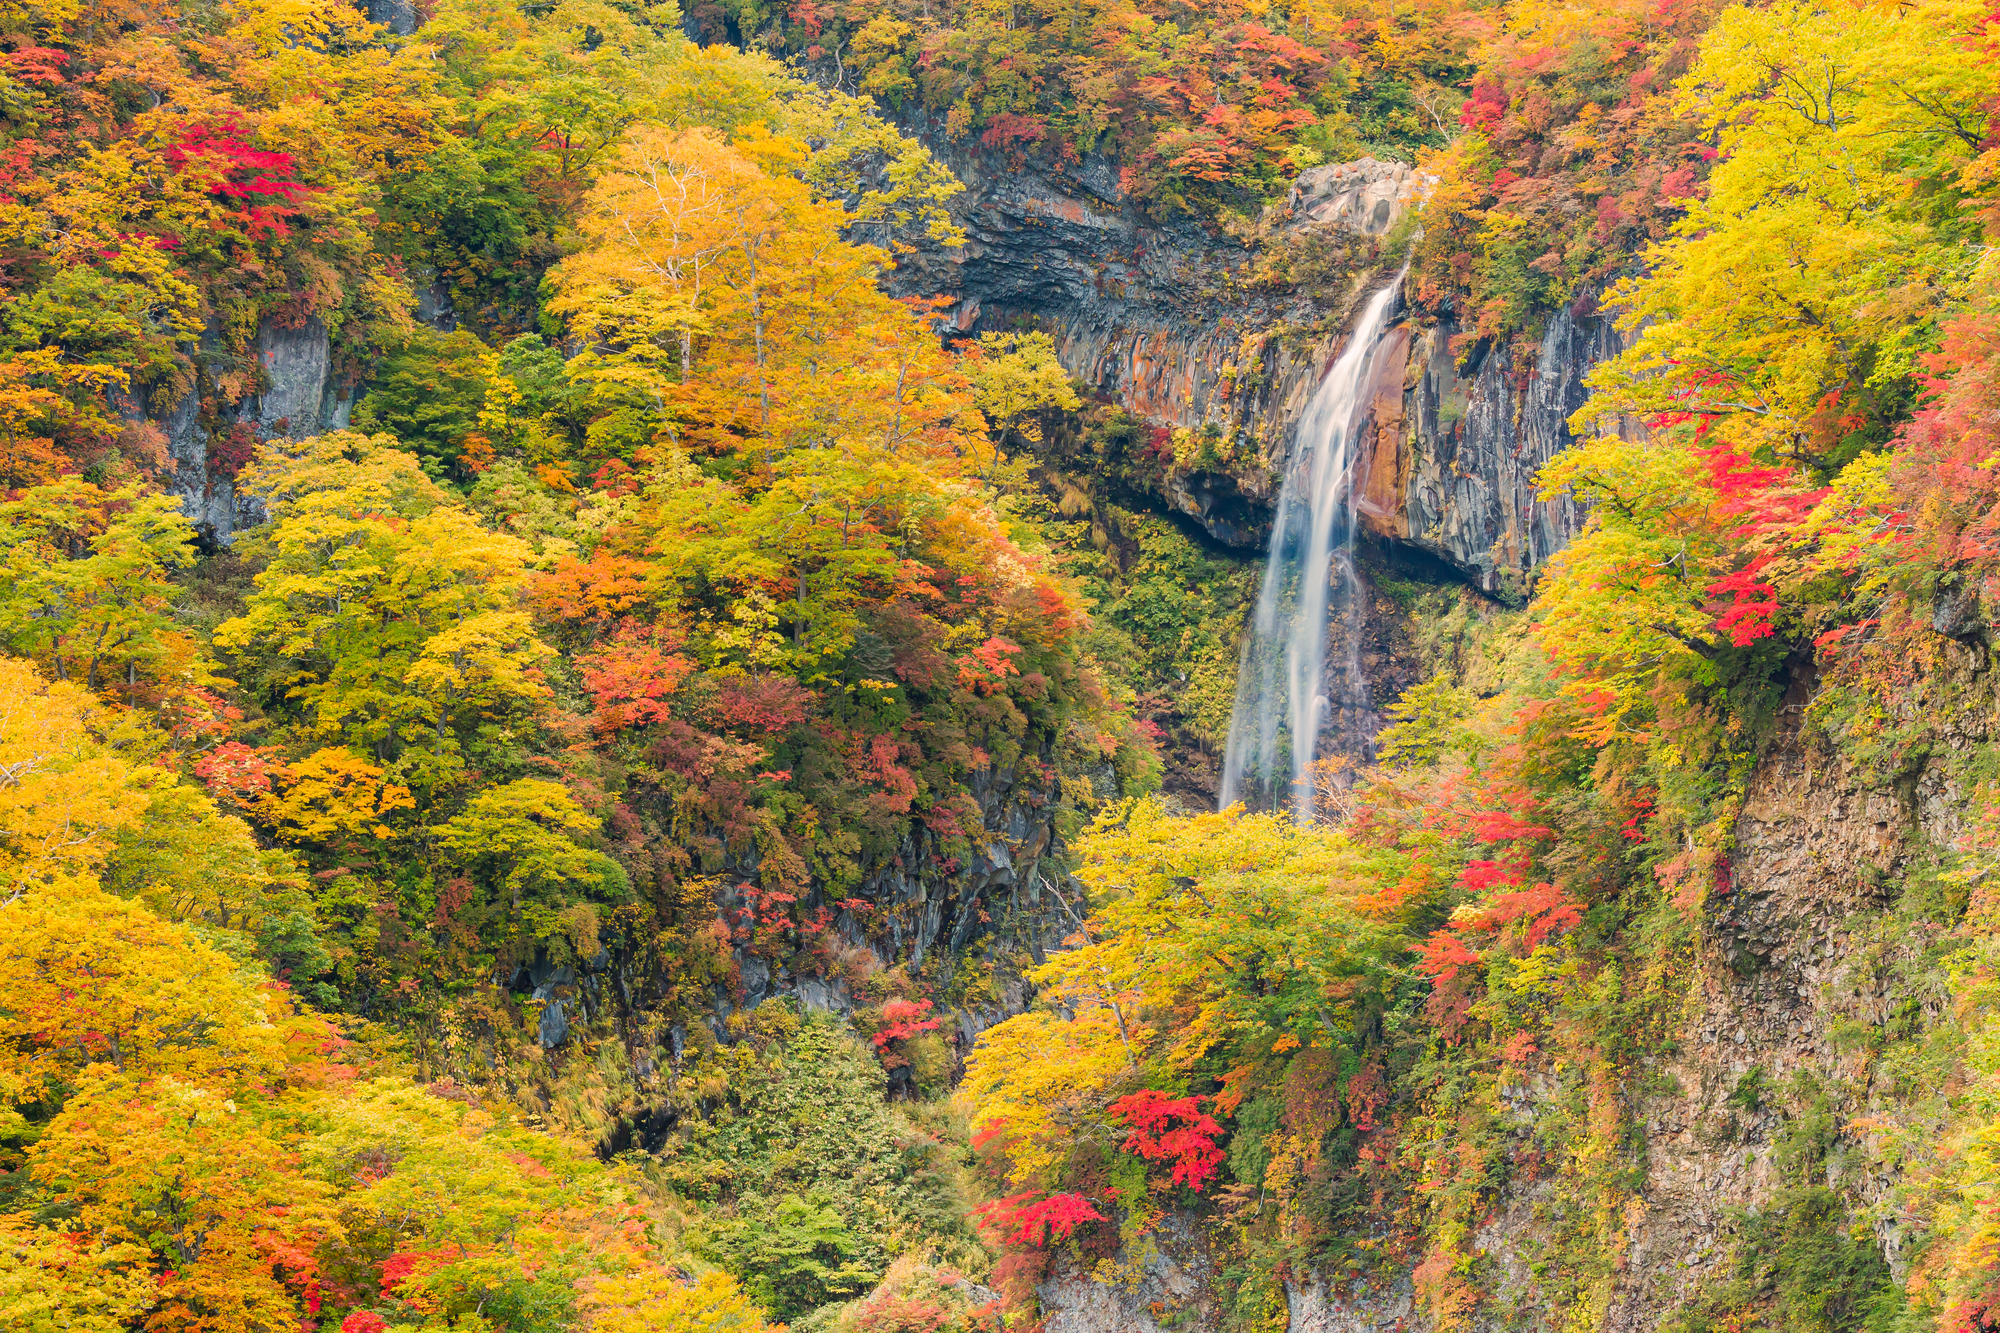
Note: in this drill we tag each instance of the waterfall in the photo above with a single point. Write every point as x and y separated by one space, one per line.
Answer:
1285 690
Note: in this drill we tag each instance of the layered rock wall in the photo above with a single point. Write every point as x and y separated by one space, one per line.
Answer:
1174 322
1453 450
1805 963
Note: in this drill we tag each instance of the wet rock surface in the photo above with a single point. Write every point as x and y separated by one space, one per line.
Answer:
1166 319
1454 449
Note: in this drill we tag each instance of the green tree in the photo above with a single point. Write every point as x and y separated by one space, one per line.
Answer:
86 582
1016 379
1229 936
385 616
794 1255
429 393
522 840
1425 723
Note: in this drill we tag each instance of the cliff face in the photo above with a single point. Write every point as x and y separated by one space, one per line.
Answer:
1810 969
1191 328
984 909
1802 1038
994 903
297 396
1452 456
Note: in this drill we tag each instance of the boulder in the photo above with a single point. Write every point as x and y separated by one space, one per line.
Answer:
1365 197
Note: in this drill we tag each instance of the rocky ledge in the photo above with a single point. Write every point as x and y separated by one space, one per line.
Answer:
1229 334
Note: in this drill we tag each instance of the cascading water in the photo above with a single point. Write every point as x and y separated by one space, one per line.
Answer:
1284 688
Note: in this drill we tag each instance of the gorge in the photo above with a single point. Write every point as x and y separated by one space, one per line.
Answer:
919 666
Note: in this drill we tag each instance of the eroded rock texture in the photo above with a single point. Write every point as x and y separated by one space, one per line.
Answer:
398 16
1002 897
1453 451
1185 327
1318 1306
1365 197
1171 1286
1809 944
298 396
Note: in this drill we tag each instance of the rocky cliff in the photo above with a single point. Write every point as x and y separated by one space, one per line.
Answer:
295 394
1228 335
1453 453
997 903
1754 1133
971 918
1814 966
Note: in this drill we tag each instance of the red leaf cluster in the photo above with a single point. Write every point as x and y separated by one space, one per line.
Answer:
1021 1219
1748 618
238 172
234 769
1442 955
903 1019
1544 908
633 678
1171 1129
985 669
36 64
1010 130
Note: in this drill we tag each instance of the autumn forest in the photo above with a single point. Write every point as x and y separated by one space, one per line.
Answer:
622 631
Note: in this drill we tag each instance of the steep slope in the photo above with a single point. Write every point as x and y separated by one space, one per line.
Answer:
1646 982
1765 1131
1222 338
1765 1134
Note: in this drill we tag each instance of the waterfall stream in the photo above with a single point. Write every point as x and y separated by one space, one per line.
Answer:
1286 689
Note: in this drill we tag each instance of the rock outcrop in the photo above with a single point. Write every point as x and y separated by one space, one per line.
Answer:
999 896
1316 1305
1187 327
1797 958
1453 451
1171 1285
1366 197
398 16
297 395
1807 946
